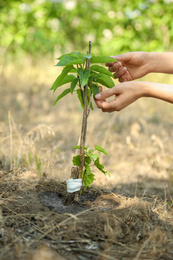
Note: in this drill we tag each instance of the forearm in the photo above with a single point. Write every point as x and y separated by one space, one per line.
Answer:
161 62
156 90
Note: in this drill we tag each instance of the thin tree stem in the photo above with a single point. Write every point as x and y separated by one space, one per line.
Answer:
84 122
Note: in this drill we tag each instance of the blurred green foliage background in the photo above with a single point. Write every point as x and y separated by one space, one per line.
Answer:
52 27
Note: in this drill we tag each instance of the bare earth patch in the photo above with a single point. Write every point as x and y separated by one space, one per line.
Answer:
104 225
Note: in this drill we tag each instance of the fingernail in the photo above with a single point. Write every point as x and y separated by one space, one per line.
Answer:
98 95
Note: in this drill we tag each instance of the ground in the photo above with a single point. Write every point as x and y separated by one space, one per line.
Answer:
125 216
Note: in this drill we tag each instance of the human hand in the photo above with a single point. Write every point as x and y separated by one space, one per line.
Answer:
130 66
125 94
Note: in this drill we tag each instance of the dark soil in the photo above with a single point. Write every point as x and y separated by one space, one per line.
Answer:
103 225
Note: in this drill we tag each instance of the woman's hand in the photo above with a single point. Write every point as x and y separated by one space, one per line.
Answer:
130 66
124 93
128 92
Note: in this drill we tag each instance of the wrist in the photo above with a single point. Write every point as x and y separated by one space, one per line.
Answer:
160 62
152 62
143 89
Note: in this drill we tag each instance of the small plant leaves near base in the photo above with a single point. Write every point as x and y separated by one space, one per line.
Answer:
64 93
76 160
100 166
91 156
78 147
100 149
88 176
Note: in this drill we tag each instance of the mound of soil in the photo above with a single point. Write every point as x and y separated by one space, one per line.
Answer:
35 224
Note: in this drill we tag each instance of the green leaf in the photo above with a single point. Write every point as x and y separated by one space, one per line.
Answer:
100 149
78 147
88 96
78 55
93 156
94 75
64 93
88 176
101 70
105 80
65 60
95 89
70 59
73 70
102 59
87 159
76 160
80 97
73 84
91 106
58 81
84 76
77 61
67 79
100 166
75 54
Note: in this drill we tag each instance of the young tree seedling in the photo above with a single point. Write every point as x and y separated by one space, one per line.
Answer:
85 75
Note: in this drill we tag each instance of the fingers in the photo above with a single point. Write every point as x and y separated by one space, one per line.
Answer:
122 57
109 107
125 77
114 66
101 102
106 94
120 72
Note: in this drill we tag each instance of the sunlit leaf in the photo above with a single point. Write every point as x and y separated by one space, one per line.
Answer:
80 97
102 59
65 60
59 81
76 160
100 166
78 147
101 70
64 93
88 176
100 149
84 76
95 89
105 80
87 159
73 84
